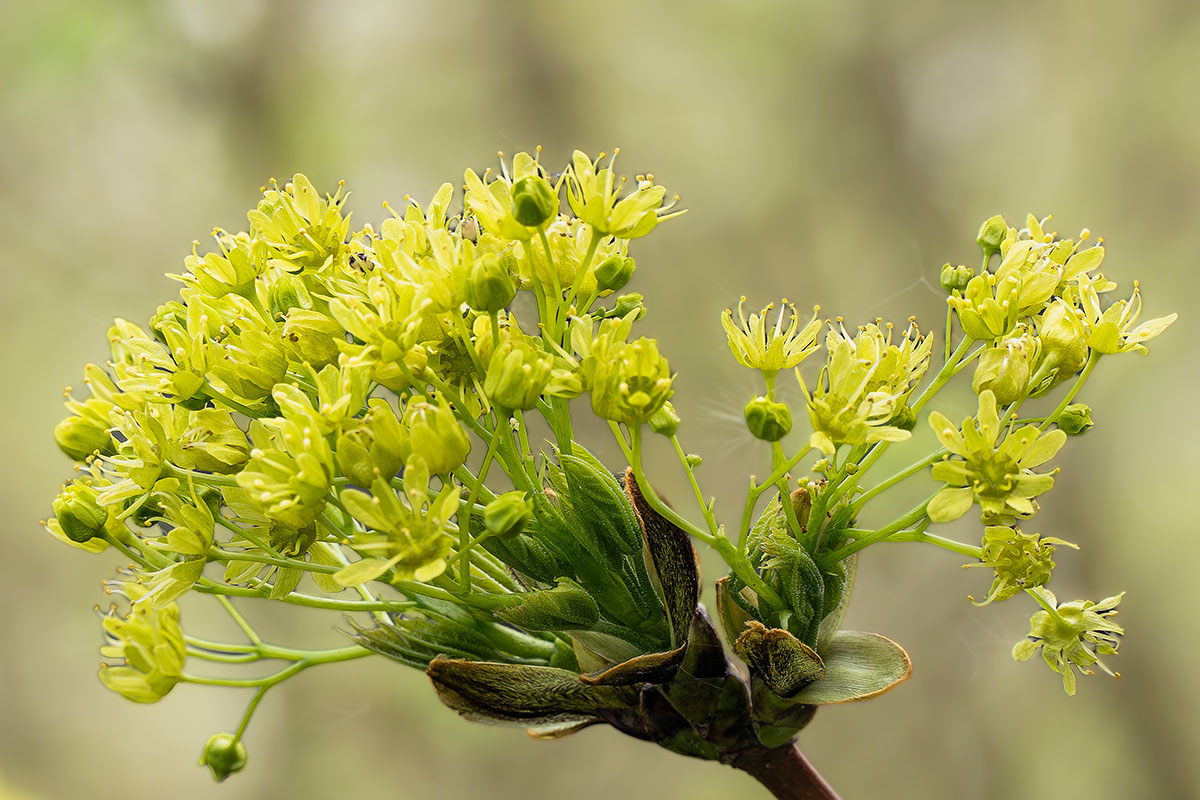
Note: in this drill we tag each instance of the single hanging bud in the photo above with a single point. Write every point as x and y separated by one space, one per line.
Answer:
224 755
533 201
768 420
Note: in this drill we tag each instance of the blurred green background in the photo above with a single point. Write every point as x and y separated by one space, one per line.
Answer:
832 152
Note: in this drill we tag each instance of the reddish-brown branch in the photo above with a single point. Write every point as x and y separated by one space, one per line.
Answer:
786 773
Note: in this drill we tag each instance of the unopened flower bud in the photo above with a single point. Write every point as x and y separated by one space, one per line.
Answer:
665 421
490 286
1005 370
78 514
613 273
533 201
287 292
517 375
693 460
1075 419
955 279
767 419
508 514
224 755
79 437
905 419
991 234
627 303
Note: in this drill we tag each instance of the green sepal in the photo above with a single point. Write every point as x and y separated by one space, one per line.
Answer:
858 666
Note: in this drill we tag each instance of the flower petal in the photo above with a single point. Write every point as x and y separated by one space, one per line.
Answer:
949 504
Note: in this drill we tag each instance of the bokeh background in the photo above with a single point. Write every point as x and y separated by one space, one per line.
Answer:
832 152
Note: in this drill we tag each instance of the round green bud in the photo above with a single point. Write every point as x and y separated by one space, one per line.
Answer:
517 375
533 201
665 421
288 292
693 460
224 755
905 419
1075 419
79 438
613 273
490 286
508 514
991 234
955 279
78 513
768 420
628 303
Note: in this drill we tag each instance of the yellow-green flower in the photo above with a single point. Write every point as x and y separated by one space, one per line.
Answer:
1072 635
302 231
1021 561
999 477
593 194
989 307
1111 330
409 537
291 467
863 386
771 348
149 641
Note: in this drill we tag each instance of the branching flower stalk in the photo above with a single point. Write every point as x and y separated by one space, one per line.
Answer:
378 422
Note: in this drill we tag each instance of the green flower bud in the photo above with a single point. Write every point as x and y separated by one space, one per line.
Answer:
79 437
490 286
224 755
955 279
628 303
508 514
434 436
312 337
768 420
78 513
665 421
905 419
517 375
693 460
1075 419
287 292
991 234
533 201
613 273
1005 369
